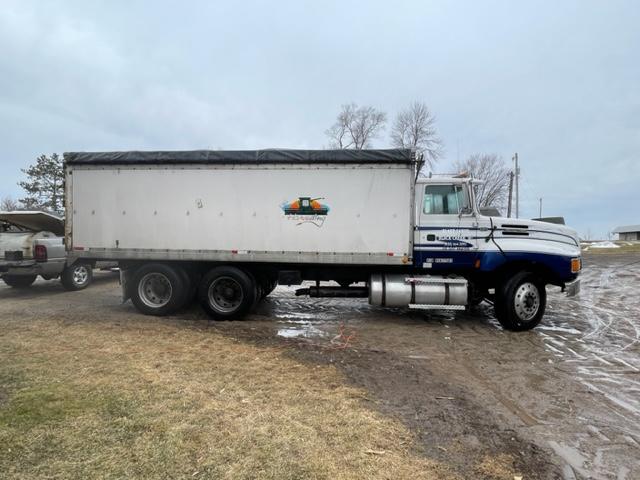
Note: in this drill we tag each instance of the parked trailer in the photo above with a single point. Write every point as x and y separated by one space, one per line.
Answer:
228 226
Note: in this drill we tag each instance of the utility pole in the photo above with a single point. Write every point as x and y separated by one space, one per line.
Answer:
510 194
517 175
540 212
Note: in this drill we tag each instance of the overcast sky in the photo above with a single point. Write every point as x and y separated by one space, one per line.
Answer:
558 82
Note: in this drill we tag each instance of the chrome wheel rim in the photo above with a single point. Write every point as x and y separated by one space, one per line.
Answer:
527 302
225 294
154 289
80 275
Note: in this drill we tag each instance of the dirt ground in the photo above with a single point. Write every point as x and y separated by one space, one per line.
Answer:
561 401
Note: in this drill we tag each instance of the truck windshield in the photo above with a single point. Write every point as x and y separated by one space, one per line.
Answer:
444 199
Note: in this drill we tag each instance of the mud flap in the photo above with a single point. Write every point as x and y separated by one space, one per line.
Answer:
572 288
125 280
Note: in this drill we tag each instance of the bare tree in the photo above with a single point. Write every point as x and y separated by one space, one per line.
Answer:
493 174
355 127
8 204
415 128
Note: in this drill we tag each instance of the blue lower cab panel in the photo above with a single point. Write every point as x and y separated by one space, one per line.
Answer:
443 260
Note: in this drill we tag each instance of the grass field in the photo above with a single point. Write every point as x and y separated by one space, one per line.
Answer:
163 400
623 248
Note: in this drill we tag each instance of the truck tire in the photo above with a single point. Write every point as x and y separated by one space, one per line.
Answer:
19 281
267 285
227 293
190 287
77 276
270 287
157 289
520 301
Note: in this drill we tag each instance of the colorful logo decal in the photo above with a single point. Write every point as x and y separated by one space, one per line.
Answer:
306 210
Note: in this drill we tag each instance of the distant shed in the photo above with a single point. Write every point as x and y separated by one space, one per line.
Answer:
628 232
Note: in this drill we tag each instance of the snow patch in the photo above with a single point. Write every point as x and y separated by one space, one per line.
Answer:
604 245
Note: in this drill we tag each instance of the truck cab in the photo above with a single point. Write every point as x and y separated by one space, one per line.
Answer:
504 259
446 225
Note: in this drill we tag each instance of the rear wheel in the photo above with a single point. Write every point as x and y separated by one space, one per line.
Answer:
227 293
77 277
190 287
19 281
271 287
267 285
520 301
157 289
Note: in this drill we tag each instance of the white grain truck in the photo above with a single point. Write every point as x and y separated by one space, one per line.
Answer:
229 225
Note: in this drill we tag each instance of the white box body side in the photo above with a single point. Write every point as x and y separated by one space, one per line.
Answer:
212 211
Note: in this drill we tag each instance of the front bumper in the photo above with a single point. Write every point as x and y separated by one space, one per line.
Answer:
572 288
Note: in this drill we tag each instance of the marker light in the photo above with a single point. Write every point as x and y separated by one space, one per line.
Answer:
576 265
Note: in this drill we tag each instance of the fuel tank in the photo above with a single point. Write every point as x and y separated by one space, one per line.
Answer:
397 290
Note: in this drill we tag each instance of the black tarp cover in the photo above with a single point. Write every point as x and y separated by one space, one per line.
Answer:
268 156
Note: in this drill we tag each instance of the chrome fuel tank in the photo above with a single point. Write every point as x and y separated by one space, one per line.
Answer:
397 290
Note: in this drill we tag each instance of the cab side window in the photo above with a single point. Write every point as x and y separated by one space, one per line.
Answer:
444 200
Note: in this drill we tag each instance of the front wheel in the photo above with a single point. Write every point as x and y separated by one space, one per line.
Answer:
520 301
77 277
19 281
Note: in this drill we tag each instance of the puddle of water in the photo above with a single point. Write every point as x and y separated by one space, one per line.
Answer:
302 330
573 458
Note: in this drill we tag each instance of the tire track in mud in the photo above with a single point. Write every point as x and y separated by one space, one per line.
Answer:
592 344
605 347
596 339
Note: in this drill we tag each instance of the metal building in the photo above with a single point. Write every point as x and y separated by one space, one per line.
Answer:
628 232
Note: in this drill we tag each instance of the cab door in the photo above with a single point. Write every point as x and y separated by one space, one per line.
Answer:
445 237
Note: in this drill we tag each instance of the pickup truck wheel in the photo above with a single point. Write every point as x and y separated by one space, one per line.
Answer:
227 293
157 289
520 302
19 281
77 277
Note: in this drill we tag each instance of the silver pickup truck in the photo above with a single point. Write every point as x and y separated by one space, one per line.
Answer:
32 244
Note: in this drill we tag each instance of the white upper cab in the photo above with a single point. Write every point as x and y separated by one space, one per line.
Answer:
450 202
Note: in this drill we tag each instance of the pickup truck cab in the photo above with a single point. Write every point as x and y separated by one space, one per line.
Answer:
32 245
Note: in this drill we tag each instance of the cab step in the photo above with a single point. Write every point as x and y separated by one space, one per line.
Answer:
417 306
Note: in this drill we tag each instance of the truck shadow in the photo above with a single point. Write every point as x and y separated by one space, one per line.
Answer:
323 321
43 287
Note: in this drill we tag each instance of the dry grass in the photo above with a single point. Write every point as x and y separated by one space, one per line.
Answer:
499 467
162 400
